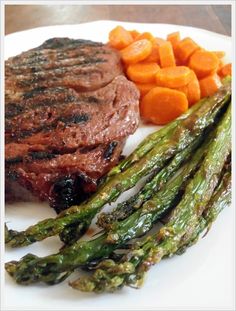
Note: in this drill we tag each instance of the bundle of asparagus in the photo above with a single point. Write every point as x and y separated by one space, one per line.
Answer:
205 196
186 160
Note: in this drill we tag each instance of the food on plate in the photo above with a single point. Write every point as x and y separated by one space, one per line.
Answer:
82 65
67 118
69 110
167 58
210 84
203 63
173 77
145 35
186 147
154 56
219 54
174 39
184 49
134 33
174 237
186 63
154 200
192 90
225 70
151 154
144 88
136 51
142 72
169 104
119 37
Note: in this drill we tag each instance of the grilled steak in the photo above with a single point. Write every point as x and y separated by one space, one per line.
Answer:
68 112
78 64
43 117
64 179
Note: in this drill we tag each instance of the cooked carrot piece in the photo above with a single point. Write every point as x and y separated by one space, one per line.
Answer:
134 34
144 88
219 54
225 70
173 77
209 85
136 51
192 90
220 65
145 35
174 39
162 105
155 55
142 72
203 63
184 49
120 38
177 62
159 41
167 58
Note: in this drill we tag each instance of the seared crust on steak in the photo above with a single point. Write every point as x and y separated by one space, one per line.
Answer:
62 124
68 113
79 64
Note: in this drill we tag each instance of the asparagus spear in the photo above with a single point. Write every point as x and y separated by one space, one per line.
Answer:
220 200
132 204
34 269
126 208
175 141
110 276
154 138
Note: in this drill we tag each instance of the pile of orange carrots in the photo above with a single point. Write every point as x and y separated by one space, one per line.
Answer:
172 74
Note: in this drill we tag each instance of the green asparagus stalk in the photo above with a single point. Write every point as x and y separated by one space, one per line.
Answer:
110 276
220 200
154 138
33 269
175 141
150 188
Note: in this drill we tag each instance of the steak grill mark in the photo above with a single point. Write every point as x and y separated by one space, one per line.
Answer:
58 69
68 120
62 96
32 156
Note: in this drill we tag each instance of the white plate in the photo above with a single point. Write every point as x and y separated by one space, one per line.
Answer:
202 278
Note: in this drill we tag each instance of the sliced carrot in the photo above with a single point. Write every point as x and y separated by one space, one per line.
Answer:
219 54
174 39
155 55
220 65
144 88
145 35
177 62
134 33
225 70
162 105
209 85
159 41
167 58
203 63
120 38
136 51
143 72
173 77
192 90
184 49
